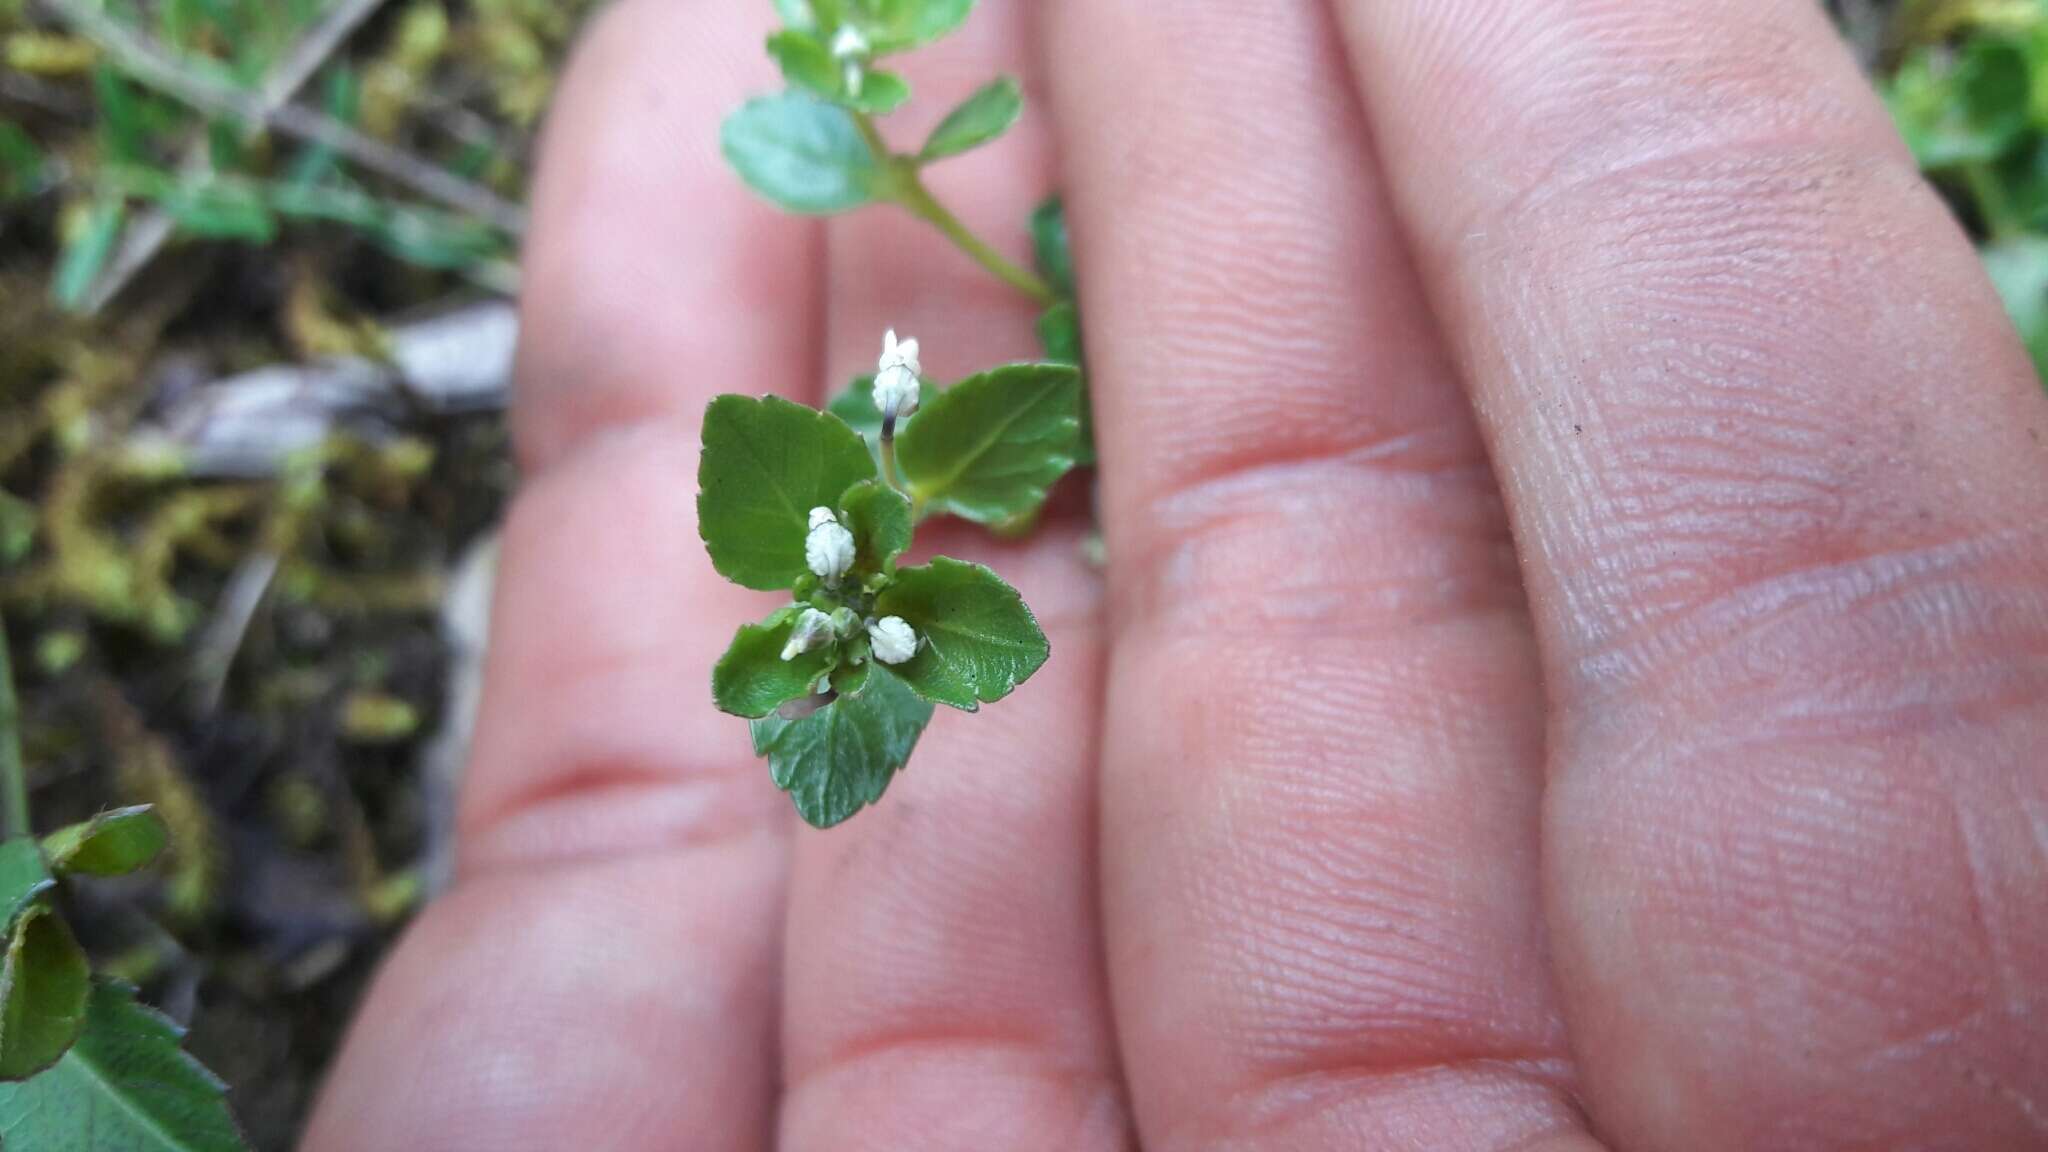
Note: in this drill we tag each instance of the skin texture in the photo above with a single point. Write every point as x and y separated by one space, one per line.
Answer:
1572 672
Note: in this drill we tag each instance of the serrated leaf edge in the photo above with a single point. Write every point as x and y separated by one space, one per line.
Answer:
1043 650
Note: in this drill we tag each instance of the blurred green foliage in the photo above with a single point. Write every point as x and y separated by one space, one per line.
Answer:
236 120
1968 88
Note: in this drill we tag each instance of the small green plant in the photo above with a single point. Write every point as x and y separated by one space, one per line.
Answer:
840 683
80 1058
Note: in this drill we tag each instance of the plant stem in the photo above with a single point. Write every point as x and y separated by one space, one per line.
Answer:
910 191
13 778
889 473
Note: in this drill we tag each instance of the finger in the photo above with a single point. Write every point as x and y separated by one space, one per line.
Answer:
944 985
1320 803
604 973
1775 465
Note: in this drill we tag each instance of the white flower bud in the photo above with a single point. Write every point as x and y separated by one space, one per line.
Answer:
829 547
850 48
896 377
893 640
813 631
849 44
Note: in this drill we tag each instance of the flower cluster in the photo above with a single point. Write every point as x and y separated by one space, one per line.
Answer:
839 683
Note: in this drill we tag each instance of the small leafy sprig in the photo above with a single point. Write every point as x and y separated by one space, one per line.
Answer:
840 683
78 1053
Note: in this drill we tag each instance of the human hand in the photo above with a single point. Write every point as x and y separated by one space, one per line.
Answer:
1678 782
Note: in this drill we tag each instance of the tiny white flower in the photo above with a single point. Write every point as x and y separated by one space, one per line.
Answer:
893 640
849 44
896 377
813 631
829 547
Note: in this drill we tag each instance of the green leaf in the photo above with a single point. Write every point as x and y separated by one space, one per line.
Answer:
122 121
21 163
806 62
841 758
990 447
880 520
43 985
19 520
225 146
900 25
856 405
979 119
852 678
110 844
24 877
752 679
125 1086
433 239
1050 247
222 211
1059 330
978 639
2019 269
766 464
342 98
804 153
2019 201
796 13
1965 108
87 250
880 93
1059 333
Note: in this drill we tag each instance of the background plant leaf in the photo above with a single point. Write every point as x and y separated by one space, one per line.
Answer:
979 638
841 758
990 447
125 1085
766 464
221 211
43 985
802 152
980 118
110 844
1968 107
2019 269
87 249
22 163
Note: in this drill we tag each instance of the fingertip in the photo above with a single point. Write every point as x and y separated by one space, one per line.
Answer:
653 278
